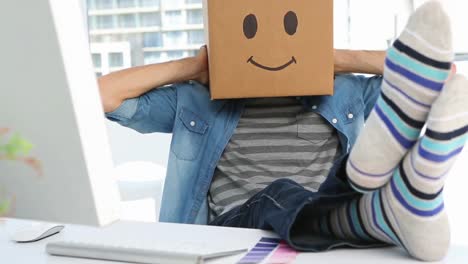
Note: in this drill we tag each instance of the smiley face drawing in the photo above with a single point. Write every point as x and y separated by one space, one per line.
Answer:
250 30
269 48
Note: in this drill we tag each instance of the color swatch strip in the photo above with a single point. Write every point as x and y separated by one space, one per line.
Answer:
283 255
261 250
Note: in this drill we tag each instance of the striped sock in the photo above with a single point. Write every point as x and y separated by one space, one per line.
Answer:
416 68
415 192
409 210
360 220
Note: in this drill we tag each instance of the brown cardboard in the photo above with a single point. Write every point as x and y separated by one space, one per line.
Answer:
255 49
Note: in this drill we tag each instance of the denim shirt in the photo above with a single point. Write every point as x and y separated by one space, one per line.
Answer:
201 129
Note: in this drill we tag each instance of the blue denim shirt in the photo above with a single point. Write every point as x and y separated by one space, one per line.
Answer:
202 128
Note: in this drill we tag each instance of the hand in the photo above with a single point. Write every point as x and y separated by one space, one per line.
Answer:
201 60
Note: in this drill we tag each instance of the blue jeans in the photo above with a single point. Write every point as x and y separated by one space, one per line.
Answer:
286 208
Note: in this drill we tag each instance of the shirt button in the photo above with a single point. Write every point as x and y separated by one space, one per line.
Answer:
314 107
350 116
192 124
334 121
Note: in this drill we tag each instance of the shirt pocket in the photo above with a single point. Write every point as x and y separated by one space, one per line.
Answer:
313 128
189 135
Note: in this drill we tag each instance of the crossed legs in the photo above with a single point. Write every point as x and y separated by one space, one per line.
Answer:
401 174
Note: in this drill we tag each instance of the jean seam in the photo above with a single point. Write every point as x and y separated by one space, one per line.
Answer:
242 213
254 201
274 201
232 217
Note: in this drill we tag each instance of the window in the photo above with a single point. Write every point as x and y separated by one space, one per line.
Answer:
102 22
196 37
173 18
101 4
150 19
152 57
192 53
174 55
116 59
175 39
173 4
127 21
153 39
155 30
126 3
149 3
194 17
97 61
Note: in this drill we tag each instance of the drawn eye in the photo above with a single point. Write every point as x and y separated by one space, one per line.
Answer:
290 23
250 26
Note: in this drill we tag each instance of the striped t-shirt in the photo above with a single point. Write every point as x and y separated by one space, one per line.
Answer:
275 138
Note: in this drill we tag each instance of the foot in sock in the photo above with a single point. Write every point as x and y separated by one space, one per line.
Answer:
416 68
417 204
409 210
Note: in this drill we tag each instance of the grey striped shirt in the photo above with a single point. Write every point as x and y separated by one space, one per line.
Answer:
275 138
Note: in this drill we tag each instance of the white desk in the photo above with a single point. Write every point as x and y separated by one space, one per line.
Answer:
34 253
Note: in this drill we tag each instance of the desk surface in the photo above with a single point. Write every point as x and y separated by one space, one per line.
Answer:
11 252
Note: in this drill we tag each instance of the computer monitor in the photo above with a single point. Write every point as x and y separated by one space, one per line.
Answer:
55 160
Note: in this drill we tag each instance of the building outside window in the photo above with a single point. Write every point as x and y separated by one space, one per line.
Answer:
102 22
110 57
173 4
153 57
126 3
194 17
194 1
97 60
127 21
175 38
172 55
152 39
101 4
196 37
151 19
149 3
152 28
192 53
116 60
173 18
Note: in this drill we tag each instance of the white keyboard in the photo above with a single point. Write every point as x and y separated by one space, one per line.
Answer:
171 253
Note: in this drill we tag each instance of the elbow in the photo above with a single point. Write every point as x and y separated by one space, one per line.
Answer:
110 105
110 101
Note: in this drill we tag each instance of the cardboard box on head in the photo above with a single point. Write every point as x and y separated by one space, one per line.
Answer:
269 48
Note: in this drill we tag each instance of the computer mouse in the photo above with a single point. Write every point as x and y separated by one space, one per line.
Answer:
36 233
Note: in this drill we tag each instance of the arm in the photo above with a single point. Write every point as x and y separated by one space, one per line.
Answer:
358 61
118 86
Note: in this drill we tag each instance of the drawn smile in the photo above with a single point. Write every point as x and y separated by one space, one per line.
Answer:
252 61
